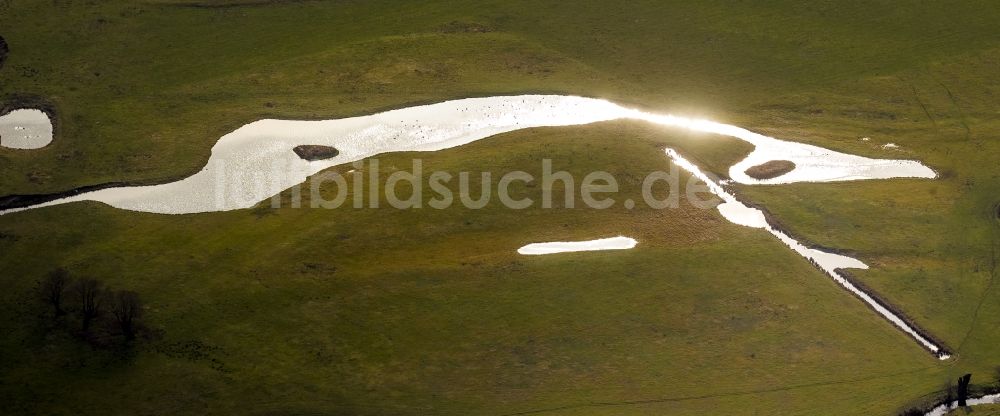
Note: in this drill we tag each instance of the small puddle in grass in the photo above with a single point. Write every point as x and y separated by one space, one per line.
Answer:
614 243
25 129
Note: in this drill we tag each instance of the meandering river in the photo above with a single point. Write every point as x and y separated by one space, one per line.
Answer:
256 162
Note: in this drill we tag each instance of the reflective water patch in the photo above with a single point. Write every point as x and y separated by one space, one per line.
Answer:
25 129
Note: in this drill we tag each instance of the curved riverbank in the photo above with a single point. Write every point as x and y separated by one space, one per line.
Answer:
946 404
945 408
20 201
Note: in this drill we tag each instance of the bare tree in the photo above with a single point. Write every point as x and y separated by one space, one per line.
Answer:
127 309
963 389
88 292
53 288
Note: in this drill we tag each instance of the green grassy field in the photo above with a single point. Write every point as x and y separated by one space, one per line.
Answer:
348 311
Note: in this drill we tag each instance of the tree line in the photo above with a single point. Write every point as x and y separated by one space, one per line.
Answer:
92 306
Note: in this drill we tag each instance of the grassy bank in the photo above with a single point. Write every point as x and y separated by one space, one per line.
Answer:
365 311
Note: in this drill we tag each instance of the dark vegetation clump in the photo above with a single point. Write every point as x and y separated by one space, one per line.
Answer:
127 310
15 101
53 288
88 295
90 312
313 152
772 169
